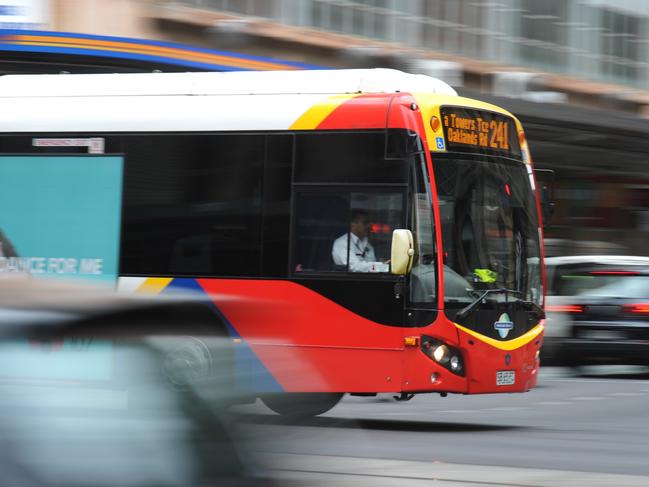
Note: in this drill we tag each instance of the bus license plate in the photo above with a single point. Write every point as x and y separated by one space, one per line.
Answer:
505 377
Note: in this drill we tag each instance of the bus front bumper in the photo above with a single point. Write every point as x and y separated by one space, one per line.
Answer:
494 367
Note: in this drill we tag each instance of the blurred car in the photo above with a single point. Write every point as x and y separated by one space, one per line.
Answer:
597 310
105 390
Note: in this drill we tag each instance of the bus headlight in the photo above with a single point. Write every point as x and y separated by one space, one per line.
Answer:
448 357
441 354
455 364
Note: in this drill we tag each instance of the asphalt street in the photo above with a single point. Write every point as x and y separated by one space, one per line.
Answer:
590 429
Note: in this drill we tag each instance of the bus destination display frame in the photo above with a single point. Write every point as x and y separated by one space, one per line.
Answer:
480 131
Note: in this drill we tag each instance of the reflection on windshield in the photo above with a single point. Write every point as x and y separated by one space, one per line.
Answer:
489 227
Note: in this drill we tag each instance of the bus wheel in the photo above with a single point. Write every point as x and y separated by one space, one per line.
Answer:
301 405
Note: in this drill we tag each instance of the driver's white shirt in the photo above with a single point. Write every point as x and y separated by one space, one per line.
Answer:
361 255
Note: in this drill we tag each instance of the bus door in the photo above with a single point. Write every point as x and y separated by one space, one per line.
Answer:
342 248
349 195
342 243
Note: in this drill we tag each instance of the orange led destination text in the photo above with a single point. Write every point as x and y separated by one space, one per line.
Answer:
490 134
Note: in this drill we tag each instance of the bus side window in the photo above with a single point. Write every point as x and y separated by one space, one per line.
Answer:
192 204
278 169
346 158
320 219
346 232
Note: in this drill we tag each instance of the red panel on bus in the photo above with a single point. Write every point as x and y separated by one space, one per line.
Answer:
405 114
308 342
365 111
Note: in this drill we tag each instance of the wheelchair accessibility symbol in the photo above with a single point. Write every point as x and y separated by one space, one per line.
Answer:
440 143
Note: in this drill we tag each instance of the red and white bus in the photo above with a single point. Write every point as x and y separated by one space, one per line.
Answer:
264 190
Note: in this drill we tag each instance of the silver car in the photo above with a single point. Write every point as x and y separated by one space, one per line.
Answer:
597 310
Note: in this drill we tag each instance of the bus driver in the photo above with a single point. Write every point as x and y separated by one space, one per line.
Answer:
361 254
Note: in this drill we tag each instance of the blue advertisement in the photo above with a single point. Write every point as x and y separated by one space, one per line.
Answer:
60 215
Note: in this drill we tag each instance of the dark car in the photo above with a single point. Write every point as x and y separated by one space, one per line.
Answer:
598 310
105 390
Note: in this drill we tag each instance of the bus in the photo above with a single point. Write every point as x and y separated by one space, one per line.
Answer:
355 231
51 52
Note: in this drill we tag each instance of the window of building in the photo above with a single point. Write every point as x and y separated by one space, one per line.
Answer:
543 24
621 58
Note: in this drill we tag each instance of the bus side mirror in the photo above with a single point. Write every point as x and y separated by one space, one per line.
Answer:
545 181
403 252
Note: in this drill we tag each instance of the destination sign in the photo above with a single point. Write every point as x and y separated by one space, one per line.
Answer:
471 130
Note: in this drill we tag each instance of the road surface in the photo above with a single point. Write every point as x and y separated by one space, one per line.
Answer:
588 430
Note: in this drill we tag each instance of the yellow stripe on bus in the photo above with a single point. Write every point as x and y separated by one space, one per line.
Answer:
314 116
154 285
508 345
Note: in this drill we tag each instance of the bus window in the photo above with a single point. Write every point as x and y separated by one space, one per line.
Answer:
423 276
192 205
346 232
340 158
278 171
490 230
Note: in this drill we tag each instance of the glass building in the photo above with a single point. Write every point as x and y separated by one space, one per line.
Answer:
590 39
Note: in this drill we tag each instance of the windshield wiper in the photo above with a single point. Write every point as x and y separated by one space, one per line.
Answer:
467 310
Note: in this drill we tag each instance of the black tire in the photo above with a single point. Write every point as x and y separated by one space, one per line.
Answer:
301 405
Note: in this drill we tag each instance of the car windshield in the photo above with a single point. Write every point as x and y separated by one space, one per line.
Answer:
605 285
489 226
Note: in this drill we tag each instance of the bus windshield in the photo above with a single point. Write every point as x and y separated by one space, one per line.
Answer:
489 228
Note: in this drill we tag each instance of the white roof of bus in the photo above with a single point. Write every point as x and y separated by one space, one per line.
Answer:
230 83
157 102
